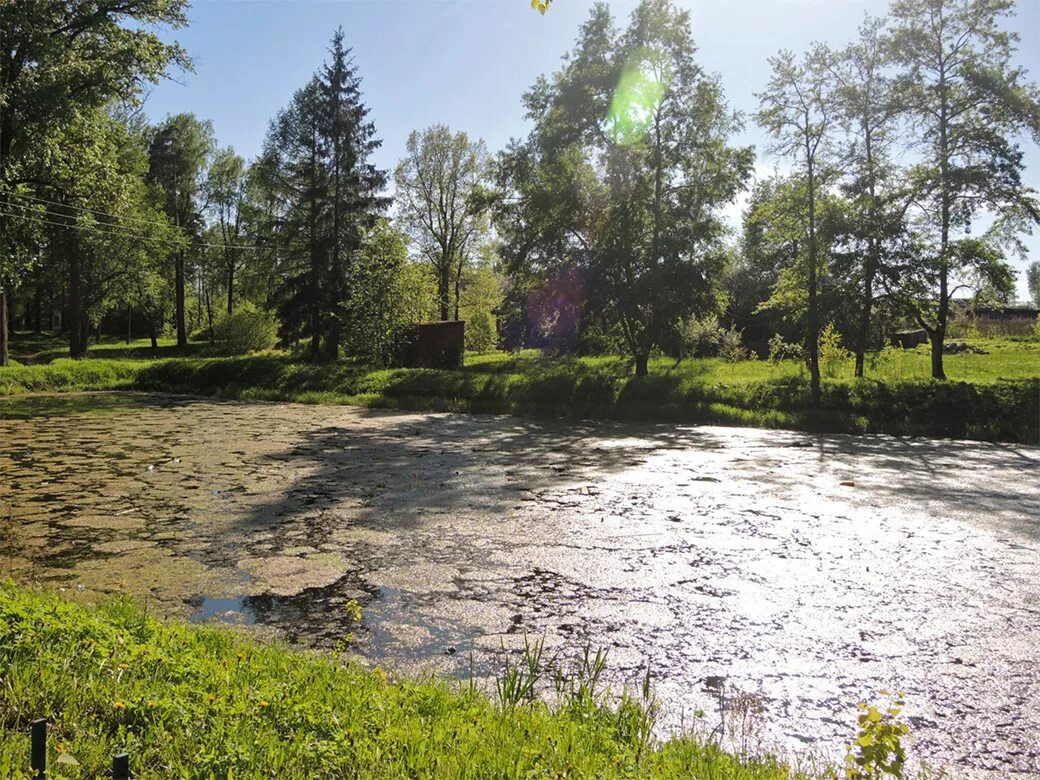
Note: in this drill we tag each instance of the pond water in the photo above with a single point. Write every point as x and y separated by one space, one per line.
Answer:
792 573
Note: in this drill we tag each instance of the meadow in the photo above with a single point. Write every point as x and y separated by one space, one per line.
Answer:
993 394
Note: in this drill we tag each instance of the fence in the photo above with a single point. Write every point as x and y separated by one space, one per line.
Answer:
38 754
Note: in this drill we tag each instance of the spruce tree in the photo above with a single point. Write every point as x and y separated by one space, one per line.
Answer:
316 165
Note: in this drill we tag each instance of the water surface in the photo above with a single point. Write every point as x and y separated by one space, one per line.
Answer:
800 572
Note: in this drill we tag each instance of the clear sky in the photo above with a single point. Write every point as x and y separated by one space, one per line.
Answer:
467 62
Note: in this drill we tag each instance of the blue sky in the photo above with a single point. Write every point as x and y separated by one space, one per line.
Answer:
467 62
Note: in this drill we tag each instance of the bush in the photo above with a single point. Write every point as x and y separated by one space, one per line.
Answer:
249 329
480 332
731 345
700 337
783 350
832 354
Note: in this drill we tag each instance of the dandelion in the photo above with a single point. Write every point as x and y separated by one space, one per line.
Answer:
212 698
60 747
118 704
264 703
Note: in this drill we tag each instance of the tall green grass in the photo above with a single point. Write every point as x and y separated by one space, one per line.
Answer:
191 702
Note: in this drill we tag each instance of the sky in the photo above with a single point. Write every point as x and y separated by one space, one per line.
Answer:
466 63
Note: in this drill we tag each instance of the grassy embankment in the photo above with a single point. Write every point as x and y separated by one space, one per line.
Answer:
204 703
994 396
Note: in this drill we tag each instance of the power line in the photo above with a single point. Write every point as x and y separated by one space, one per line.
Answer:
142 220
116 233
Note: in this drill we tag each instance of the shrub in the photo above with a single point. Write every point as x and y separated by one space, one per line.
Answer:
832 353
731 345
699 337
783 350
480 332
249 329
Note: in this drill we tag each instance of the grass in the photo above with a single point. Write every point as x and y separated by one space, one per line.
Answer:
195 702
993 396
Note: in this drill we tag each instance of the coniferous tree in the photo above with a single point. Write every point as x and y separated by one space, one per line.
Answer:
316 172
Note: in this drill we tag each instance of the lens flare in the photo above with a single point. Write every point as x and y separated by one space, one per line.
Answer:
637 96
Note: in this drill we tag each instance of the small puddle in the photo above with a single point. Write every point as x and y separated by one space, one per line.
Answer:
235 610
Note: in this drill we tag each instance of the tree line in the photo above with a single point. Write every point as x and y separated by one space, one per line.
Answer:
898 186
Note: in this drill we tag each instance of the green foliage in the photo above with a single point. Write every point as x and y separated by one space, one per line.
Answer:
832 354
480 332
780 350
442 203
700 337
249 329
1033 282
481 298
614 200
321 197
731 345
380 303
201 702
878 751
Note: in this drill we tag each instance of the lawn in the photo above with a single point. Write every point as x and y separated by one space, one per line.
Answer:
991 396
202 703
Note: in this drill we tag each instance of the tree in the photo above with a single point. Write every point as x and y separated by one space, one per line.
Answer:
226 195
618 188
291 179
378 305
104 225
324 195
1033 282
796 112
56 58
440 200
863 92
178 155
355 183
966 105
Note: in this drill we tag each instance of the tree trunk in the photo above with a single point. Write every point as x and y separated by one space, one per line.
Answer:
182 330
813 324
129 323
458 287
231 289
937 338
209 316
642 361
77 344
864 324
444 290
153 333
5 348
38 310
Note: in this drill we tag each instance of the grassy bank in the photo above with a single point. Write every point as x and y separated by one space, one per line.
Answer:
993 396
201 703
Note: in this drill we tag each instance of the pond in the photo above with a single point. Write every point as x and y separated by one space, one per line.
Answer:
773 578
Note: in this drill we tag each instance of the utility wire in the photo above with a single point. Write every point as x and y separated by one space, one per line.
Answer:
117 233
142 220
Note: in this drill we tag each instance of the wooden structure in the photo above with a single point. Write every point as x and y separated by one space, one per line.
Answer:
433 345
